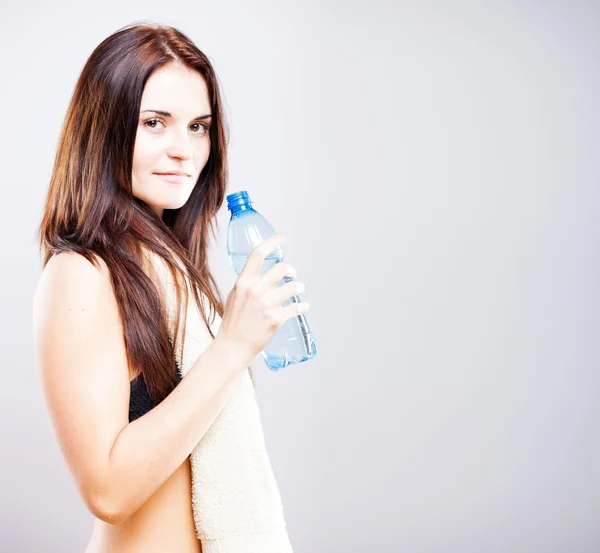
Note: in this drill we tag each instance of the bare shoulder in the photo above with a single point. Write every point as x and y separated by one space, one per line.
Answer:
70 268
69 281
74 299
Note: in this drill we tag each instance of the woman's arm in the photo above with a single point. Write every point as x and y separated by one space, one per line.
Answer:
80 351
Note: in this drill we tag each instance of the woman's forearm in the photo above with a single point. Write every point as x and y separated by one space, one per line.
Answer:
150 449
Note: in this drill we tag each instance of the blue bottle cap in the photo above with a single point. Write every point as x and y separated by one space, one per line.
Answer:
238 199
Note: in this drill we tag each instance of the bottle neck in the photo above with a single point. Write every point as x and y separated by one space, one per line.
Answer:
239 209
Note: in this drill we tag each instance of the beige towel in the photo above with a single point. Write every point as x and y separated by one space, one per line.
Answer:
236 502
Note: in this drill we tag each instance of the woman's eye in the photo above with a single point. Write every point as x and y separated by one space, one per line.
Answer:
152 121
202 126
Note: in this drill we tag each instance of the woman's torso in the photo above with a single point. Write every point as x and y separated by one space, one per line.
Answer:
164 524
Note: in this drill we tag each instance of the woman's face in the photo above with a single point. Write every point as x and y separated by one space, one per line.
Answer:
172 136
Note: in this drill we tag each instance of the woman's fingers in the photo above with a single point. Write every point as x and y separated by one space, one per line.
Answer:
292 310
257 256
274 275
279 295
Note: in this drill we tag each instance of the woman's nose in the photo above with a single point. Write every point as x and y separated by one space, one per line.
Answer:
180 146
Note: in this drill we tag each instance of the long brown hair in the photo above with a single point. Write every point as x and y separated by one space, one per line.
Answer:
90 208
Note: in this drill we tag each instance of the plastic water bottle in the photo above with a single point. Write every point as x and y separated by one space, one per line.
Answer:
293 342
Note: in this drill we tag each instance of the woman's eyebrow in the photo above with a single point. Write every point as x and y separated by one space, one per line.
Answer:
167 114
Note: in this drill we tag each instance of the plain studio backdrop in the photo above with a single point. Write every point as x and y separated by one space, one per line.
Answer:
434 167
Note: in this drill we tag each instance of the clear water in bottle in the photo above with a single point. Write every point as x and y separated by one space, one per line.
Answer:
293 342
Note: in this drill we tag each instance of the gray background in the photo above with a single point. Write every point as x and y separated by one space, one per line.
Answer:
434 167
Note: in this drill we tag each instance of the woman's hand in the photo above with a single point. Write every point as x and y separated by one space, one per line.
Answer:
253 310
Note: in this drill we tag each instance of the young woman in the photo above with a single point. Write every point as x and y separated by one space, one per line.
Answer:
141 165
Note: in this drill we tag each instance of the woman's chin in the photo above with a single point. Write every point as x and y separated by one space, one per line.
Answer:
171 203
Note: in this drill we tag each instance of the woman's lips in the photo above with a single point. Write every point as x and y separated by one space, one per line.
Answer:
176 179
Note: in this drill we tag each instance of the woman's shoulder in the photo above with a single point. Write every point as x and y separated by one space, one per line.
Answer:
71 265
70 275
